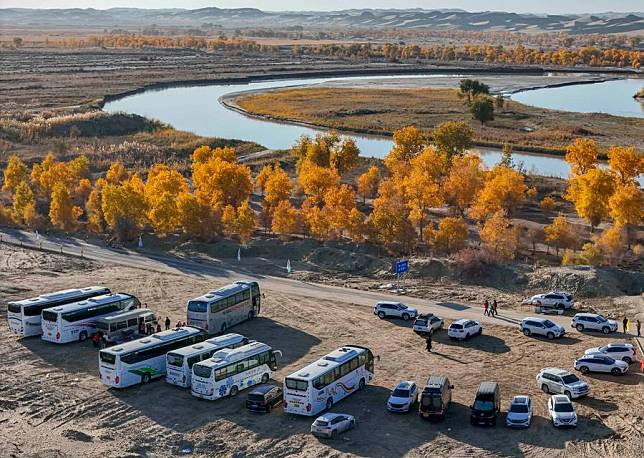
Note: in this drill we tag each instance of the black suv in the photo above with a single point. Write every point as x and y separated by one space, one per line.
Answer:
264 397
435 398
487 404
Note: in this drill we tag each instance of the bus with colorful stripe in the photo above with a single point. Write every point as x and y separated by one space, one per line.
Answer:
77 321
144 359
323 383
219 310
24 318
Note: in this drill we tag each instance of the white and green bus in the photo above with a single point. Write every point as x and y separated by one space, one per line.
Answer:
24 318
141 360
77 321
225 307
232 370
179 362
333 377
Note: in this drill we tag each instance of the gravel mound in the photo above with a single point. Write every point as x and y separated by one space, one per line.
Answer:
586 281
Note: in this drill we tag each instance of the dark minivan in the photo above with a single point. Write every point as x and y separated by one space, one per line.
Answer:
487 404
435 398
264 397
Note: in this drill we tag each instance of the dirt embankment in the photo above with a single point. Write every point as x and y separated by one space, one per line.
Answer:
52 404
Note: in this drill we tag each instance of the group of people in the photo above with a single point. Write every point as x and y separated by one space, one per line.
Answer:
490 309
627 326
146 329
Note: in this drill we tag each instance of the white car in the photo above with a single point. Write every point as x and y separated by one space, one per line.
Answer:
332 424
520 412
386 309
541 327
562 411
427 324
559 381
600 363
624 351
403 397
464 329
554 299
593 322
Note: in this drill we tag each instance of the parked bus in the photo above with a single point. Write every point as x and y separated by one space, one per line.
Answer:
141 360
321 384
232 370
122 326
24 316
77 321
179 362
225 307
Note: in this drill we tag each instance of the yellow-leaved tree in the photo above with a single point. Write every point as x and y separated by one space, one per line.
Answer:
590 193
124 207
284 219
626 207
245 222
24 205
317 180
63 214
500 236
582 154
504 191
389 215
162 188
316 219
277 186
117 173
344 156
222 181
15 173
368 183
421 186
452 138
196 217
338 206
450 236
626 162
408 143
356 225
560 234
463 182
93 208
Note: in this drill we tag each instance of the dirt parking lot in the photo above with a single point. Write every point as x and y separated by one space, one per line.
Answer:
52 404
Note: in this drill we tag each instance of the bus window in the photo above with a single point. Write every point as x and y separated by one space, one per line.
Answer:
192 360
132 322
121 325
112 327
150 318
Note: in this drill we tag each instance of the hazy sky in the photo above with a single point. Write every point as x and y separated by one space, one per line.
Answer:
540 6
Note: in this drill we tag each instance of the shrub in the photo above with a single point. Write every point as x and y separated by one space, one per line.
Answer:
548 203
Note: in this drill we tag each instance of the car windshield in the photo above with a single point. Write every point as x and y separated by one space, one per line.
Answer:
483 405
402 306
549 324
601 319
257 397
421 322
603 349
609 360
319 422
198 306
519 408
563 407
456 326
400 393
570 378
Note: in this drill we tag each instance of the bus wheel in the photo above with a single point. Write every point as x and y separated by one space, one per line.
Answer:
361 384
82 337
264 378
145 378
233 391
329 403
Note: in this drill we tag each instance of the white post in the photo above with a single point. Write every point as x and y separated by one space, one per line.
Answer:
140 242
288 266
239 254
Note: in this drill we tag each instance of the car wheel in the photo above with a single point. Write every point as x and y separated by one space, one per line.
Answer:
567 393
627 360
82 337
480 332
605 329
233 391
264 378
584 370
616 371
545 388
559 306
381 315
361 384
580 327
329 403
406 316
145 378
334 434
550 335
527 332
494 421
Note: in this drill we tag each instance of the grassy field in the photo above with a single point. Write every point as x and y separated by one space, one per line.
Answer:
381 111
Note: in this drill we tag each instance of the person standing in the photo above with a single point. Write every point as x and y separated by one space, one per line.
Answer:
428 343
625 324
494 305
158 327
486 307
639 327
167 323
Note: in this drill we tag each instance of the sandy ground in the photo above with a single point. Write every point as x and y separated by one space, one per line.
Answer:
52 404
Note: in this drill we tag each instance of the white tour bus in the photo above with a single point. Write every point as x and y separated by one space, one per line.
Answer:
179 362
141 360
321 384
77 321
232 370
24 316
122 326
218 310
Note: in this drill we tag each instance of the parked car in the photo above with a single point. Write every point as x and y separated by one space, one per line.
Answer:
541 327
332 424
487 404
427 323
593 322
520 412
555 299
464 329
436 397
559 381
263 398
561 410
403 397
385 309
624 351
601 363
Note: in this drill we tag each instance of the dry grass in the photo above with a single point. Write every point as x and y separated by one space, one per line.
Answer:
381 111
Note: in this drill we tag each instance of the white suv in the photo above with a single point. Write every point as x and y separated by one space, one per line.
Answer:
593 322
560 381
562 411
624 351
463 329
600 363
555 299
541 327
386 309
427 324
403 397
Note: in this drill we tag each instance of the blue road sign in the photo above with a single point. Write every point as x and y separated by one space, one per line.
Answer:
402 267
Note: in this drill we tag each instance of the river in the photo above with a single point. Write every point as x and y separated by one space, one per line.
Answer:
197 109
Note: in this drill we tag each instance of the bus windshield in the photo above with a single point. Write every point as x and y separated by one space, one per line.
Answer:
202 371
175 360
13 308
297 385
108 358
198 306
49 316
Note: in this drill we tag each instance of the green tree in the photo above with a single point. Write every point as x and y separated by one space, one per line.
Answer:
482 109
452 138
